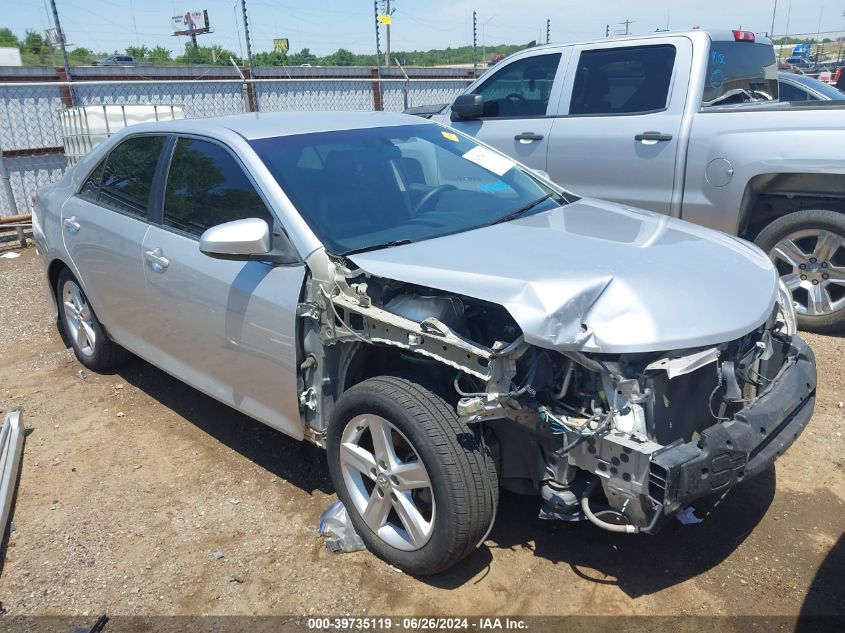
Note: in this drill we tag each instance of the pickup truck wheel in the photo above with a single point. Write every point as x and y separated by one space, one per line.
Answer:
419 487
808 249
82 328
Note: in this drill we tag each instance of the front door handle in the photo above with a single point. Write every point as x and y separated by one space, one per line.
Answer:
528 137
156 259
71 224
654 137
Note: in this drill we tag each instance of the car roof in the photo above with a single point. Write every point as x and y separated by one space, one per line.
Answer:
259 125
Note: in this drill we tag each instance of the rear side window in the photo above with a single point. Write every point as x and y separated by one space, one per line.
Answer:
623 80
520 89
206 186
128 175
739 72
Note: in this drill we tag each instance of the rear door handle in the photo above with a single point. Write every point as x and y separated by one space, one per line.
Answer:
654 137
528 137
71 224
156 259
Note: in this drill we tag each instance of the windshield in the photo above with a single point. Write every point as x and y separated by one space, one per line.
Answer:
367 188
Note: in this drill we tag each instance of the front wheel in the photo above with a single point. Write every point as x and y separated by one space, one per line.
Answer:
808 249
420 489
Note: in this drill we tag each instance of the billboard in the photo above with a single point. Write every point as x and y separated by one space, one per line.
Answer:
281 45
190 22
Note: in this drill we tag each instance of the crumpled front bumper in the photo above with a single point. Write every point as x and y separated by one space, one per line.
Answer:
744 446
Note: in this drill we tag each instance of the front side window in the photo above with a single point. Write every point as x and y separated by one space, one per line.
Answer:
128 175
740 72
520 89
366 188
206 186
623 80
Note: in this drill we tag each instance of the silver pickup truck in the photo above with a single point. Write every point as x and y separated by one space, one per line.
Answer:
686 124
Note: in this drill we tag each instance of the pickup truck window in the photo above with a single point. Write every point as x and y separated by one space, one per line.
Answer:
739 72
623 80
520 89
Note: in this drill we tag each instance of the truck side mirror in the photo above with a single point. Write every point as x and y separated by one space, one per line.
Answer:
468 107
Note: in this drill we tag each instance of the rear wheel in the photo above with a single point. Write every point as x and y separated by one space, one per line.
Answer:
420 489
82 329
808 249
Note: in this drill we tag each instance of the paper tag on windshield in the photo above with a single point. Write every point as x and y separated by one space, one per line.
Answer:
490 161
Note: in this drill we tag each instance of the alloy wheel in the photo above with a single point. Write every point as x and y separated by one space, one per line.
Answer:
387 482
79 319
811 263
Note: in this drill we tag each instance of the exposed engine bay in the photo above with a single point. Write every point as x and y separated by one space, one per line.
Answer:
622 440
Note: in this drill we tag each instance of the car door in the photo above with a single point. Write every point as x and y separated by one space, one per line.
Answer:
225 327
620 116
516 106
104 225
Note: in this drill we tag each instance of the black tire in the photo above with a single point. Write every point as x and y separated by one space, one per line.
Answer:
460 469
808 221
104 353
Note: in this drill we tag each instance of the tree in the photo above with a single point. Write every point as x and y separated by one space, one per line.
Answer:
205 55
80 55
7 38
33 42
341 57
138 52
305 56
159 55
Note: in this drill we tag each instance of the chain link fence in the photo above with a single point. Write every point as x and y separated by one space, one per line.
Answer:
31 142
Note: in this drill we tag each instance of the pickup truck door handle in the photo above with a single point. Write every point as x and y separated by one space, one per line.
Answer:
71 224
156 259
528 137
653 137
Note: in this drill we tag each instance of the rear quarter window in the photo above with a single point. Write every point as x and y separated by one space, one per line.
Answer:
740 72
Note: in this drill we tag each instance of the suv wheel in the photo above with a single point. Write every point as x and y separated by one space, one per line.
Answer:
420 489
808 249
82 329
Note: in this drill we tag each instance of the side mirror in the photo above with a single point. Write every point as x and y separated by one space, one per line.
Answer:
239 240
468 107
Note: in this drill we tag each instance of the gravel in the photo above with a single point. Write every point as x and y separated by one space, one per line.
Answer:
132 484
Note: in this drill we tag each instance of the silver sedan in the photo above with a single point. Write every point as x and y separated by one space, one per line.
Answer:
443 320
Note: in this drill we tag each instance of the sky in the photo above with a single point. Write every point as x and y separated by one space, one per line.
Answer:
323 26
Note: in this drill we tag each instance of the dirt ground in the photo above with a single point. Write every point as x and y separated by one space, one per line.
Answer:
130 481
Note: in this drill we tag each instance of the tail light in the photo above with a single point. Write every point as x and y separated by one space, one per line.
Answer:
838 75
744 36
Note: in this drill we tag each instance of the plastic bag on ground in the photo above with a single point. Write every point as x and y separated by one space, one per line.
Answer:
335 524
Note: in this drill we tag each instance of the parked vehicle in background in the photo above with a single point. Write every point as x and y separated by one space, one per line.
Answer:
686 124
438 317
115 60
839 79
795 87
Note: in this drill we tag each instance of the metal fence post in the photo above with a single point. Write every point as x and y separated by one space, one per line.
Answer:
10 196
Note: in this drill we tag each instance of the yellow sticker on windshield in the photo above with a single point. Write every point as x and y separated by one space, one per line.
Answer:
449 136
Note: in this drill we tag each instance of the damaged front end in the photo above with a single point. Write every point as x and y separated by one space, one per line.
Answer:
623 440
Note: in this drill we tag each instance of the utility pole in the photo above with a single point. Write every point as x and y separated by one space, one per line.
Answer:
378 43
627 24
607 31
474 44
548 30
774 13
61 35
387 37
249 52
